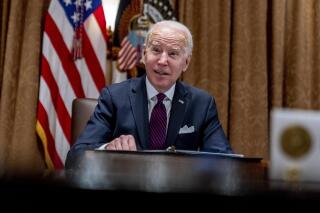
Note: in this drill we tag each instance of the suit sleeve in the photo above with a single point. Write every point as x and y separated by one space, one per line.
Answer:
214 139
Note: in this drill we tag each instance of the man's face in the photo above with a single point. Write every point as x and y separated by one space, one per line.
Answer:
165 57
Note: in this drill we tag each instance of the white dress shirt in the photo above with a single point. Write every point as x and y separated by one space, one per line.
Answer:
152 99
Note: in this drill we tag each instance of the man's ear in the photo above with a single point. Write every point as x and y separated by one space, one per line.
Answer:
143 54
188 59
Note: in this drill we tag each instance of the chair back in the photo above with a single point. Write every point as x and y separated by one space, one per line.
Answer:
82 108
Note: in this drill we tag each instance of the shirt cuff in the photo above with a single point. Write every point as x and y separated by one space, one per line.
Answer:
102 147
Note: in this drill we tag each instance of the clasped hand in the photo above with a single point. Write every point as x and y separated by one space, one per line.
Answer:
124 142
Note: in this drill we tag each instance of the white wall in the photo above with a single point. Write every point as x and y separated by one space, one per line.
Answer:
110 9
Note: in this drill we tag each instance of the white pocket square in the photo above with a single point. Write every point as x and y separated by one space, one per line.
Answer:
185 129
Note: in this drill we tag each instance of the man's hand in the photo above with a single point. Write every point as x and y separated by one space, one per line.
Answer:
124 142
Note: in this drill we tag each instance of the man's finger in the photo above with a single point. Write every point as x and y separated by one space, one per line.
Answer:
110 146
124 142
132 143
117 144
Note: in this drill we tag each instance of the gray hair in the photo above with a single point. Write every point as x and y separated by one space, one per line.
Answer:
174 25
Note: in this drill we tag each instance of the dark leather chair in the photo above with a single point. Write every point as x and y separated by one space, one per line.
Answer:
82 108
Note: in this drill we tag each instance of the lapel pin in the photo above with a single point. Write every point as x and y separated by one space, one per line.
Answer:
181 101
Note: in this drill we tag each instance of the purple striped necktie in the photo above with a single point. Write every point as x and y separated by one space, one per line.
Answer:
158 124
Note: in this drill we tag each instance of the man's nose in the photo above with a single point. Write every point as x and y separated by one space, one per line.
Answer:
163 60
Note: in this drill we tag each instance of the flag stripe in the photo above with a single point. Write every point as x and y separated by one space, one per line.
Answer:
97 41
126 54
124 46
58 15
99 15
60 77
61 143
93 63
43 120
61 110
127 59
131 62
88 85
65 56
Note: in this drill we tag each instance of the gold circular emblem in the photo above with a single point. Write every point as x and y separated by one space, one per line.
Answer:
295 141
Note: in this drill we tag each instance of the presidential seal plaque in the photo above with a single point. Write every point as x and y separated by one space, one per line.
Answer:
296 141
295 145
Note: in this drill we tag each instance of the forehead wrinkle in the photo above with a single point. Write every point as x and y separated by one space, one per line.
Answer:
166 45
168 36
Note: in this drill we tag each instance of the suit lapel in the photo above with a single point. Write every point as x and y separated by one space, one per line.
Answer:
139 104
179 104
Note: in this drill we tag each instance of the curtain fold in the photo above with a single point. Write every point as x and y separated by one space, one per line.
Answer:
302 68
19 151
3 34
248 113
276 28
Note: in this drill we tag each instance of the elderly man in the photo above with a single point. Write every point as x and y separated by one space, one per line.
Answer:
156 111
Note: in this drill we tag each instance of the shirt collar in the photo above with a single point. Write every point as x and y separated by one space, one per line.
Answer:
151 91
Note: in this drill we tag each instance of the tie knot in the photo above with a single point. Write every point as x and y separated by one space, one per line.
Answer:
160 97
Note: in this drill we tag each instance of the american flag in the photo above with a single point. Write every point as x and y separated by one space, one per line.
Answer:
128 52
73 65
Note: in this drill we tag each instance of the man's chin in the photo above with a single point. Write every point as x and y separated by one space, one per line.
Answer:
162 87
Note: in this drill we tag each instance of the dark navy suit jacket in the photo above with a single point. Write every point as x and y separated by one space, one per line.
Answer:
123 109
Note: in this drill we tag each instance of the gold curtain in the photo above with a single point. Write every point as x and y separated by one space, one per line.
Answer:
253 55
21 27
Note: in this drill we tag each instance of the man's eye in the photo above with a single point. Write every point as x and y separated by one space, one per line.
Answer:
173 54
155 50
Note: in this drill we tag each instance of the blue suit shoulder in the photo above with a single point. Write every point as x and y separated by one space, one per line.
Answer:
118 87
196 93
124 86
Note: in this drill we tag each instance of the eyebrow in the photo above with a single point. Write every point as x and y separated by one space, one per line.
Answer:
175 47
